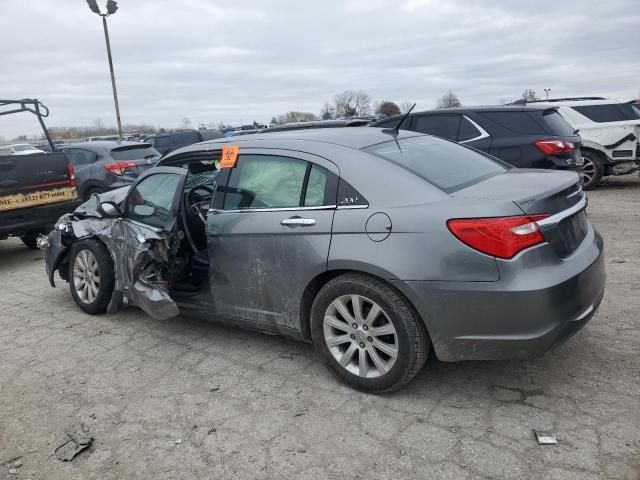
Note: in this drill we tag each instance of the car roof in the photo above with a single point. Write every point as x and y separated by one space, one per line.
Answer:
317 124
355 138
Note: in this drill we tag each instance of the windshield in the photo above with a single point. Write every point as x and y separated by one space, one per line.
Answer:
445 164
134 152
22 148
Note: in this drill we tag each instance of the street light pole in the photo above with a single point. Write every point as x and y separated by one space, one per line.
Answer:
547 90
112 6
113 78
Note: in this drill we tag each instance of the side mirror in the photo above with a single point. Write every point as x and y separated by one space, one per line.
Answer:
110 209
144 210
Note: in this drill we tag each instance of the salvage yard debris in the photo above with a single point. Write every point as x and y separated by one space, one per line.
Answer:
78 441
545 438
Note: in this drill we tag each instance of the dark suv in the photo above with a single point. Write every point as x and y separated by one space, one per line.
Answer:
524 136
168 142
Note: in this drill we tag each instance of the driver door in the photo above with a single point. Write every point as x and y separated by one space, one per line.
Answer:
145 237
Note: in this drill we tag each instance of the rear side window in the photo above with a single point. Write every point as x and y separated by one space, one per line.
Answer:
162 142
518 122
137 152
446 165
467 130
445 126
555 123
81 157
612 112
316 187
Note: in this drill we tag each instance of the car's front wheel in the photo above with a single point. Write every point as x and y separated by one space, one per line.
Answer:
91 276
367 333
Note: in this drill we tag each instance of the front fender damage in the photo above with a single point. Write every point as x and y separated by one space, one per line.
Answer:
139 256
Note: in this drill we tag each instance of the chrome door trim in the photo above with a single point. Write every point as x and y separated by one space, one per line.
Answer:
483 132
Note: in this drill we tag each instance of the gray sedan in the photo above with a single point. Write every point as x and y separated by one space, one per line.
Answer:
377 246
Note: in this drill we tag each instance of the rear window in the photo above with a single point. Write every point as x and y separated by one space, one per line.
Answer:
518 122
613 112
556 125
446 165
134 152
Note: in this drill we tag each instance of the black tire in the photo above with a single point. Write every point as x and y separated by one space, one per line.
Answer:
90 191
595 166
105 273
30 239
412 340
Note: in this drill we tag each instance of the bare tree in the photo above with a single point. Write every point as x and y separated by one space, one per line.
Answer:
449 100
405 106
185 123
98 125
352 103
291 117
326 113
387 108
529 95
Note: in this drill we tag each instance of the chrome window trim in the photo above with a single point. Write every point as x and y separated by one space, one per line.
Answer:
483 132
277 209
558 217
351 207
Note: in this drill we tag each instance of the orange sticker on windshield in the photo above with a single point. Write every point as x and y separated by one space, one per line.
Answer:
229 156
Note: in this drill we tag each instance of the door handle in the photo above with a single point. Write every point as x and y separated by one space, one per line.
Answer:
297 221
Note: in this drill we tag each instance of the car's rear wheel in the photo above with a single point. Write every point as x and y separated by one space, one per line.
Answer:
91 276
367 333
592 170
90 191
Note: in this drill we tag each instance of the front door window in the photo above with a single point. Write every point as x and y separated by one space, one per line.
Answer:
153 199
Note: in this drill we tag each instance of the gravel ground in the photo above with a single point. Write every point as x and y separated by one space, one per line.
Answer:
190 399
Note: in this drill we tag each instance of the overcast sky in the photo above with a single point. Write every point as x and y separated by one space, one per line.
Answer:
239 61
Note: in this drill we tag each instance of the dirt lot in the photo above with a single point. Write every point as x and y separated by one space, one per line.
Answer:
188 399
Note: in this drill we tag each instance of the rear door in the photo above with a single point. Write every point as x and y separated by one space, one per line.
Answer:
36 179
269 234
83 162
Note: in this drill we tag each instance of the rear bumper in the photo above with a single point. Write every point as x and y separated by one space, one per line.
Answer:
20 221
513 318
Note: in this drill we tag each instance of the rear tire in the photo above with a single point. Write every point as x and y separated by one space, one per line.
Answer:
30 239
592 170
91 276
367 352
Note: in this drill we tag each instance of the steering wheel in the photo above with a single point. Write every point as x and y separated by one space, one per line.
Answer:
196 201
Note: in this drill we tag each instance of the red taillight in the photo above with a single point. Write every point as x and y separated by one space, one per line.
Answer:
554 147
501 237
118 168
72 174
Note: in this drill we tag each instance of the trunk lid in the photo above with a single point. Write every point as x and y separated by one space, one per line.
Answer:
555 193
142 155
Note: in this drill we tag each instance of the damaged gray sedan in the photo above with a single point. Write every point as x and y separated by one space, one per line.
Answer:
378 246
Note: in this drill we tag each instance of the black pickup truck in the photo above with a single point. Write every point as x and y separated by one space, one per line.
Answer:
35 189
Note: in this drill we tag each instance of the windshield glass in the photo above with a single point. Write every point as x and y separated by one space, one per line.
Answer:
445 164
22 148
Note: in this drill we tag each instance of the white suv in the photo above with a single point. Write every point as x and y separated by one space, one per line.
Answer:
610 132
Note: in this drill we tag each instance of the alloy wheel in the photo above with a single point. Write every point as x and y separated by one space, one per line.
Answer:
588 171
86 276
360 336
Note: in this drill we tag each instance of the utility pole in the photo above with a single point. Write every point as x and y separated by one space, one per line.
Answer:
112 6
